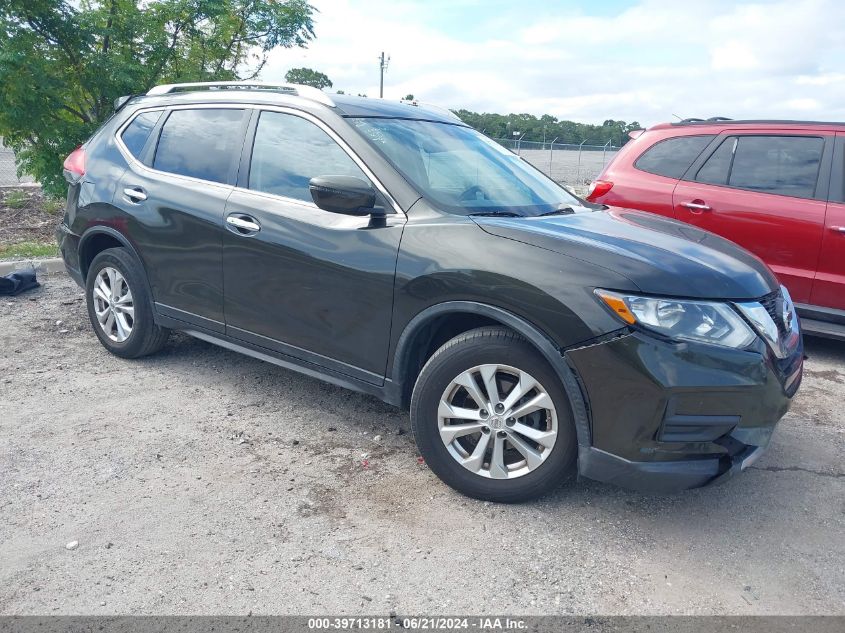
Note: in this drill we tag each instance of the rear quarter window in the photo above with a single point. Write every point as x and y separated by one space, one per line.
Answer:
137 133
673 156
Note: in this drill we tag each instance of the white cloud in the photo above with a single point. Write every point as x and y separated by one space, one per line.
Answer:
805 104
648 62
733 55
821 80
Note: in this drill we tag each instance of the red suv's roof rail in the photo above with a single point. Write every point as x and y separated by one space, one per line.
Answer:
725 121
722 121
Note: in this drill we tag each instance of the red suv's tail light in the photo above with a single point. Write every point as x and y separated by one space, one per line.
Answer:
597 189
75 162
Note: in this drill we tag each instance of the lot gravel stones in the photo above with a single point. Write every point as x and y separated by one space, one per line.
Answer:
200 481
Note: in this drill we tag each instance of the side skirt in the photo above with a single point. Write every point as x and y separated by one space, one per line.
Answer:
820 321
389 392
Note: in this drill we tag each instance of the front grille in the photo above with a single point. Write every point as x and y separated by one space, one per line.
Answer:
772 305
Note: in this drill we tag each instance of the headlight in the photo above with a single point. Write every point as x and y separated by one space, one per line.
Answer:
702 321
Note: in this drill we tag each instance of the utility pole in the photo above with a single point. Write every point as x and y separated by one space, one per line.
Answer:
382 67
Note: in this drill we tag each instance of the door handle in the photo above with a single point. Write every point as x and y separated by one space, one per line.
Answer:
242 224
838 229
696 207
135 194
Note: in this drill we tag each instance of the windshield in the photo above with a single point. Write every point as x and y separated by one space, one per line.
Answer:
463 171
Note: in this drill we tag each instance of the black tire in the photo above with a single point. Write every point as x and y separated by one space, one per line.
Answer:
145 337
491 345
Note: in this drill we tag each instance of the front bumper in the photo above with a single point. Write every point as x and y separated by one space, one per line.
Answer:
668 416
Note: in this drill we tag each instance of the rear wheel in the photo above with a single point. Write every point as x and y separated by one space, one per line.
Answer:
491 418
119 306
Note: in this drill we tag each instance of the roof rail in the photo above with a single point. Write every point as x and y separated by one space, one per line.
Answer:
306 92
730 122
694 119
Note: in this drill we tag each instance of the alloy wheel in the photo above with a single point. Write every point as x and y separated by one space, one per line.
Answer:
497 421
113 304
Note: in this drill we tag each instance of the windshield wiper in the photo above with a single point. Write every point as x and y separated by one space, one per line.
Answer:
504 214
561 210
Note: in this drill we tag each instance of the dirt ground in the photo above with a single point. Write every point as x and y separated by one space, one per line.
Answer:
200 481
26 215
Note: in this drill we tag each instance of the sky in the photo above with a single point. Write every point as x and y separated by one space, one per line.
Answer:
647 60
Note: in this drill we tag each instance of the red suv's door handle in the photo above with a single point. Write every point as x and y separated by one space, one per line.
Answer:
696 206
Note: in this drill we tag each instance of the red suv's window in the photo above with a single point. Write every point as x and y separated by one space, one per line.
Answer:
784 165
673 156
717 168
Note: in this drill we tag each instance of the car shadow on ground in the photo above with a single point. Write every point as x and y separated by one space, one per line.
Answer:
721 500
824 349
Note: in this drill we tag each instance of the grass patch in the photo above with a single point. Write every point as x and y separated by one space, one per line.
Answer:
26 250
16 199
53 206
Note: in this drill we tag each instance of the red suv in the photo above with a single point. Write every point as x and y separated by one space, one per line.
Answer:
775 187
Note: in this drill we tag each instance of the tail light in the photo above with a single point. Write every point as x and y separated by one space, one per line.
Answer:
598 188
74 164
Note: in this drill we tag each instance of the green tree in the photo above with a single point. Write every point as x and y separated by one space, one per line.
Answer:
502 126
408 97
308 77
63 63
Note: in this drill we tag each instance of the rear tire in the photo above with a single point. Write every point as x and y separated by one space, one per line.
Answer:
120 307
517 445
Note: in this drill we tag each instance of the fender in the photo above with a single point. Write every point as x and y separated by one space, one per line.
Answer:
526 329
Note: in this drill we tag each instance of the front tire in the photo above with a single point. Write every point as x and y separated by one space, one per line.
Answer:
492 419
119 306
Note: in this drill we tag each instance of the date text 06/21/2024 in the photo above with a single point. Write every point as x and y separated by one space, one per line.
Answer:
418 623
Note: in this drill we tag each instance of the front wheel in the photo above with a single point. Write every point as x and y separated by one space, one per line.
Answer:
491 418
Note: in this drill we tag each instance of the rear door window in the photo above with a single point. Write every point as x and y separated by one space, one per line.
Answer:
785 165
201 143
672 157
137 133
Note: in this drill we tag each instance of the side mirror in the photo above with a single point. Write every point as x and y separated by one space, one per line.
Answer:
343 194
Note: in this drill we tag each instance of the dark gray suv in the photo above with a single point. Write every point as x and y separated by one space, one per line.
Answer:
391 249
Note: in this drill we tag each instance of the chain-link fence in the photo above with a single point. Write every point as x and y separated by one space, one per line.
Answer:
8 170
571 165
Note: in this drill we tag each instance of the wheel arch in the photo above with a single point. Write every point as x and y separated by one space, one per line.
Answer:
99 238
416 339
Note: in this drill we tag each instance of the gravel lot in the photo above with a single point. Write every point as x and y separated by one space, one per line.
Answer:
201 481
564 164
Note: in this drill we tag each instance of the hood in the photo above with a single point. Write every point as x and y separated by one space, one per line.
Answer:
660 256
